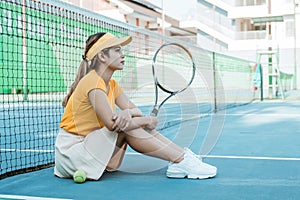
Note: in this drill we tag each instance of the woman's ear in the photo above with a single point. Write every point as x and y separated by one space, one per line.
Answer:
101 57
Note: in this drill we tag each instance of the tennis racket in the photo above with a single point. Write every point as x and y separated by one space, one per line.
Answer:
173 70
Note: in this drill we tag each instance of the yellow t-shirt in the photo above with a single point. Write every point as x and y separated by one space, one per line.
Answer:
79 116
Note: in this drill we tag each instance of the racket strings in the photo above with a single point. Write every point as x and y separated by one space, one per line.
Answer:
173 68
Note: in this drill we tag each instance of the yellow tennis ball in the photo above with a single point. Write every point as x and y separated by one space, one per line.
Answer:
79 176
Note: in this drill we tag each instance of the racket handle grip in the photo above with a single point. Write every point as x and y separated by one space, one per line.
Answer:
154 111
147 129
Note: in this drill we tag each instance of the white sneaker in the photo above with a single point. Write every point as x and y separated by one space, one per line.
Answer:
191 167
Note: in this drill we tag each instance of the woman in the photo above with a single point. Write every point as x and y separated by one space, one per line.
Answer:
93 136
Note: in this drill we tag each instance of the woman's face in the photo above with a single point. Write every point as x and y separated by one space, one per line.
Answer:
115 58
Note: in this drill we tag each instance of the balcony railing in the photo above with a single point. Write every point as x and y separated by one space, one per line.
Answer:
245 2
227 30
250 35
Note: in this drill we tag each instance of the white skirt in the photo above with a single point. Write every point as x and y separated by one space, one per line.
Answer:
90 153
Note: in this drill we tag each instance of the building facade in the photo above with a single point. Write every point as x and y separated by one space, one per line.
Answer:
244 28
240 28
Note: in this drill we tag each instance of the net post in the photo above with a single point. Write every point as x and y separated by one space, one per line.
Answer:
24 49
215 80
261 83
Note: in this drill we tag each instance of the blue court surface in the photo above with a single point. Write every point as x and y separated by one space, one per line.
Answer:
257 155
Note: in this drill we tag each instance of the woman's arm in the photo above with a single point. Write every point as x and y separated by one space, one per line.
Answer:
123 102
122 121
131 117
99 101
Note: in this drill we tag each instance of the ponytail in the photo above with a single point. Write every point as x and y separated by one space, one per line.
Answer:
85 66
82 71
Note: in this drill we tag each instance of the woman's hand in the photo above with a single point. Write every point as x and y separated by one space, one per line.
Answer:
135 112
152 122
122 120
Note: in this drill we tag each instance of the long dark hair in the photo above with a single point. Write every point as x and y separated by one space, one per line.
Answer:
85 67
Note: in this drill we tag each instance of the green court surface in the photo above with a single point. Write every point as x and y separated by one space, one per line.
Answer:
257 156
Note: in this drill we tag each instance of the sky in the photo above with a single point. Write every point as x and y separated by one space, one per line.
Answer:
178 9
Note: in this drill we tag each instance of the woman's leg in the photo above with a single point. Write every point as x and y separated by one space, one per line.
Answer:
152 144
185 163
117 157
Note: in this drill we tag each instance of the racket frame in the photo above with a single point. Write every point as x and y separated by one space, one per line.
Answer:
156 107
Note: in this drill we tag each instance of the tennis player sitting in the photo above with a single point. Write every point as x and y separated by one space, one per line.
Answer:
93 136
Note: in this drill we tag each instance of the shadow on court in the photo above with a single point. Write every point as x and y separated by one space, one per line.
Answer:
257 156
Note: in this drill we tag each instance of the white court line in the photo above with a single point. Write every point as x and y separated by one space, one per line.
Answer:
238 157
27 150
207 156
254 157
261 114
238 114
31 104
16 197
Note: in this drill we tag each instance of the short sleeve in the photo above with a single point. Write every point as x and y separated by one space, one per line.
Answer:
94 83
117 89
